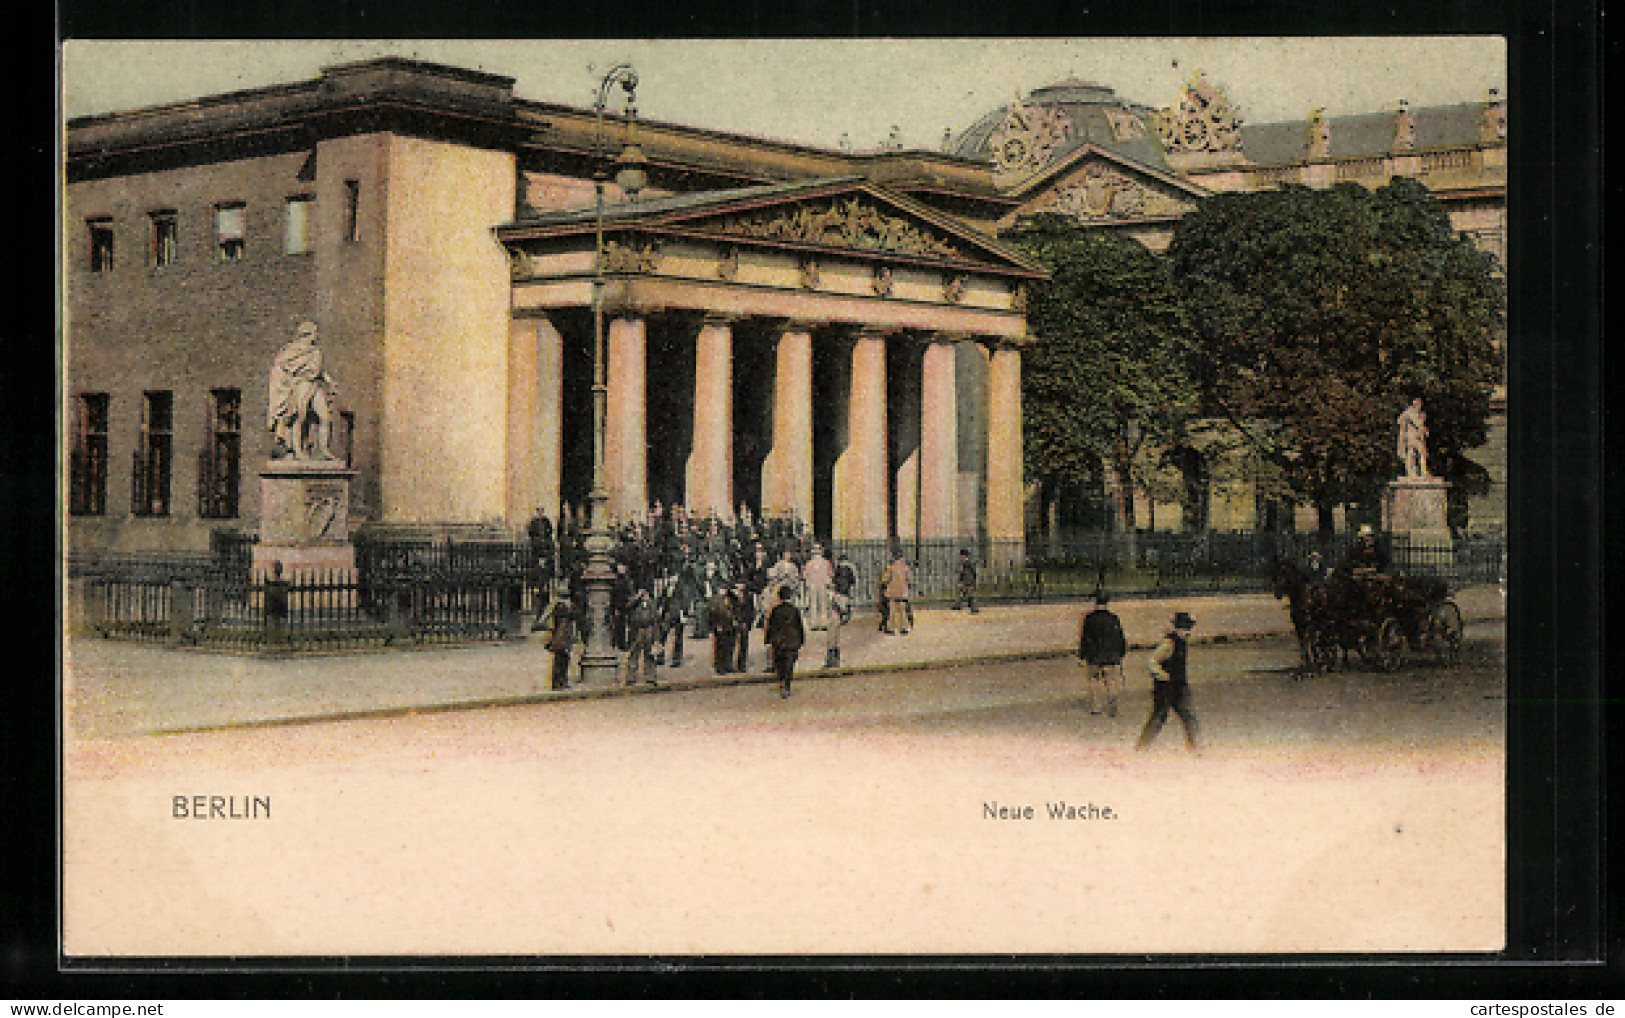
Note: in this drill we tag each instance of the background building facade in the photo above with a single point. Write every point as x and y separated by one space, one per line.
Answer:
828 334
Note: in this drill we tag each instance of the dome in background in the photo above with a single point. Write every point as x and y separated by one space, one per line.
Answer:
1023 139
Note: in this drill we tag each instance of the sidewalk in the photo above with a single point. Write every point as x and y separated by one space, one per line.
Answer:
115 689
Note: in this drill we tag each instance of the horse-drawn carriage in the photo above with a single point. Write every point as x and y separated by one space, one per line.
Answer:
1374 617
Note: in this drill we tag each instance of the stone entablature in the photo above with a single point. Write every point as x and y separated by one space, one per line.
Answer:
847 252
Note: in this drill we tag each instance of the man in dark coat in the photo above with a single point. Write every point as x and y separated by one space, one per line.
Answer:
744 609
561 636
785 636
642 620
539 533
671 623
1101 647
967 582
1170 689
620 602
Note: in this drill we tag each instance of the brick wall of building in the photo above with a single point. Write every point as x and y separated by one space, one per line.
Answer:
202 323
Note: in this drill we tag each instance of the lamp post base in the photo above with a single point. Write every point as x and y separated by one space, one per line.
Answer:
599 661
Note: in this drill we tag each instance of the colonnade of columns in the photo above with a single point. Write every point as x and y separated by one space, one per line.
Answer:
925 488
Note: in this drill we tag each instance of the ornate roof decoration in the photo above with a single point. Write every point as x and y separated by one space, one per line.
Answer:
728 263
839 222
1320 134
1027 141
1493 127
1201 121
1404 129
620 257
1103 191
882 282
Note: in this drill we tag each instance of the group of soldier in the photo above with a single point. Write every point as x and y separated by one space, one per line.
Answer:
679 577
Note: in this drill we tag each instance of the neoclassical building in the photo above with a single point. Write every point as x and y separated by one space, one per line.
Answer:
831 334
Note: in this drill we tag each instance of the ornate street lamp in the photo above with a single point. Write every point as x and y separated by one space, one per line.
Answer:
599 661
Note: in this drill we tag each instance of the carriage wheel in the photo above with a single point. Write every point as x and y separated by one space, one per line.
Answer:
1390 650
1444 630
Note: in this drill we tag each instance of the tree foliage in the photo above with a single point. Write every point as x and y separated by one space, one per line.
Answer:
1320 313
1110 369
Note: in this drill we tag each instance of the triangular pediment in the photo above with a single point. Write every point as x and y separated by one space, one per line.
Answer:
851 216
1095 185
836 216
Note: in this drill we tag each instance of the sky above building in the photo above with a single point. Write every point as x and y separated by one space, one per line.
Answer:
818 92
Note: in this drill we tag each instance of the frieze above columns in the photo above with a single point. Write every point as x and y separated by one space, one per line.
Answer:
839 222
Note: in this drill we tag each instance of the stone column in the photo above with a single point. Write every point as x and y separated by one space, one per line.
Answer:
787 473
904 412
708 478
549 419
1005 520
939 442
860 473
626 451
535 433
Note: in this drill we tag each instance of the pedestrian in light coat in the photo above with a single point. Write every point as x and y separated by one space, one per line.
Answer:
894 584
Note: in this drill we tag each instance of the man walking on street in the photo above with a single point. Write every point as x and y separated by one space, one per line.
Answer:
785 636
744 609
641 621
1101 647
721 612
1169 688
967 582
561 637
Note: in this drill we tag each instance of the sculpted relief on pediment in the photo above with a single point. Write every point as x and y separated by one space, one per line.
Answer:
1102 191
846 222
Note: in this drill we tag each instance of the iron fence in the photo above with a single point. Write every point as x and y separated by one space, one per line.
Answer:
318 610
417 592
1153 564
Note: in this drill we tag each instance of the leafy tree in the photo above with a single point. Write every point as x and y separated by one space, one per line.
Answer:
1109 373
1321 313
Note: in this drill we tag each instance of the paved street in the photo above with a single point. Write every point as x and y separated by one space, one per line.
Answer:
1352 811
122 689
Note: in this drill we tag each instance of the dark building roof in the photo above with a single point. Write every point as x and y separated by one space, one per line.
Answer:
697 201
1365 134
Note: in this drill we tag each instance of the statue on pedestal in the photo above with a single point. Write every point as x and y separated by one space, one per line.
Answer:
301 400
1413 434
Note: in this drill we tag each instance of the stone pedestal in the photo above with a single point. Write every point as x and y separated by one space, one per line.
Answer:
1414 508
304 516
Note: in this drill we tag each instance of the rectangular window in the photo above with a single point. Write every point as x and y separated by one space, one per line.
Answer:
352 210
150 480
296 225
87 469
101 244
229 231
219 466
164 238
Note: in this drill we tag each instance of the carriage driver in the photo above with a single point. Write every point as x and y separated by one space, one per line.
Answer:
1363 570
1366 557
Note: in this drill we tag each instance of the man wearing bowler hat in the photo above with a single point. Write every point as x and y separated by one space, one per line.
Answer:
1169 688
